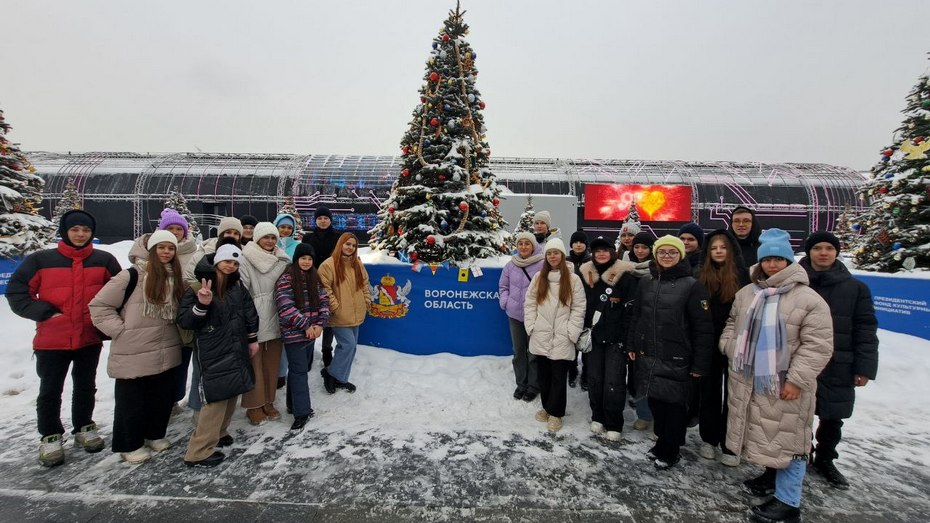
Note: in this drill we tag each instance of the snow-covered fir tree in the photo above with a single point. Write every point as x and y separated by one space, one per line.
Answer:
632 215
444 204
894 233
22 230
843 230
290 209
70 200
526 219
178 202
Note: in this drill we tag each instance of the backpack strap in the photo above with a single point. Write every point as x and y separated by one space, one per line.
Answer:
527 274
133 281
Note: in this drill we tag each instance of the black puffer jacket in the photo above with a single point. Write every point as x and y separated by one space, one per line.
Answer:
222 332
855 341
671 334
323 242
578 261
750 244
610 280
720 310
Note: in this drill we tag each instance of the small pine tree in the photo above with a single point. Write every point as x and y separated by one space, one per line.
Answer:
22 230
178 202
444 204
632 215
526 219
290 209
895 230
70 200
843 230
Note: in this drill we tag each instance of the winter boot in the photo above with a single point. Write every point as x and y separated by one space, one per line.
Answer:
136 457
158 445
774 510
518 393
213 460
597 427
50 451
763 485
573 376
729 459
707 451
329 383
641 424
327 356
554 424
665 464
345 385
225 441
256 416
529 396
542 415
615 436
88 439
834 477
299 422
271 412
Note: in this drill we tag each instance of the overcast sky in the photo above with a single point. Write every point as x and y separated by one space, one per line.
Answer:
743 80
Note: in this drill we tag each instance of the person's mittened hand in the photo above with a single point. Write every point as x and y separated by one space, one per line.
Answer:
642 269
790 392
253 349
205 295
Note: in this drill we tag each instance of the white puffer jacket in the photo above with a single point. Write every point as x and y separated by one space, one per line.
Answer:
259 270
553 327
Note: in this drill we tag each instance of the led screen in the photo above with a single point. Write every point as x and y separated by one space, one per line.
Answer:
659 203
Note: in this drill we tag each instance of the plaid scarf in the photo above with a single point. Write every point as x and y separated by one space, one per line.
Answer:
762 342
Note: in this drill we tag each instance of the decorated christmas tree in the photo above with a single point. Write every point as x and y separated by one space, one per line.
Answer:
632 215
178 202
526 219
70 200
444 204
894 233
22 230
291 209
843 230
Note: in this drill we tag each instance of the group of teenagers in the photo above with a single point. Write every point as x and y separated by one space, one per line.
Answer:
244 309
723 330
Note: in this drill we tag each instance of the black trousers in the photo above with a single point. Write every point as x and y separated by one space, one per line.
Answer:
670 425
328 339
606 385
553 384
828 436
142 409
713 391
52 367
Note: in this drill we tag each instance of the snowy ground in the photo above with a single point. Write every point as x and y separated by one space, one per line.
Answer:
433 438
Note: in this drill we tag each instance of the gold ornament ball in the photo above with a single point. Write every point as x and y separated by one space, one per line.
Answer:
429 196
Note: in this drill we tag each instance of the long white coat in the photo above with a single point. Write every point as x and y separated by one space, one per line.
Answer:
553 327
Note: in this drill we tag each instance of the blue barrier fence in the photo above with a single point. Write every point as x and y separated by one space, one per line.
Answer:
901 304
7 268
427 313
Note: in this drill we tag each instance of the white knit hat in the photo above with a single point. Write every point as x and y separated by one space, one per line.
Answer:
265 229
161 236
229 223
557 244
528 236
543 216
630 227
226 252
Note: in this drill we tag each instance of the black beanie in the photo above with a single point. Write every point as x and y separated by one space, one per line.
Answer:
694 230
601 243
644 238
75 217
303 249
820 237
248 219
578 236
322 211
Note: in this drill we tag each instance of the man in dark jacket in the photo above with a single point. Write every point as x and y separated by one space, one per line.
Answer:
855 347
323 239
746 227
692 235
53 287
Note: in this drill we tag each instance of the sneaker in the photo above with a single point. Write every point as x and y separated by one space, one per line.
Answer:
213 460
158 445
729 460
140 455
329 383
542 415
614 436
225 441
299 422
707 451
641 424
345 385
271 412
555 423
518 393
256 416
50 452
88 438
834 477
662 464
529 396
774 510
597 427
763 485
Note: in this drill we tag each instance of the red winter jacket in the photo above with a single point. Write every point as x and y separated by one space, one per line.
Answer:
62 280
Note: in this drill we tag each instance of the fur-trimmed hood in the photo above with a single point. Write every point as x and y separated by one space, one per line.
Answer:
610 276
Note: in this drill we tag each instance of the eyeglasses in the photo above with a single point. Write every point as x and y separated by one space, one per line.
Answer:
667 254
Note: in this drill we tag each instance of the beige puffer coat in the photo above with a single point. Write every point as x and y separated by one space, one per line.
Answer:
764 429
348 305
187 249
259 270
141 346
553 327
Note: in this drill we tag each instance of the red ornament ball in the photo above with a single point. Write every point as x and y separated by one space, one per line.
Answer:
414 256
405 149
883 190
481 104
887 152
434 76
496 202
431 240
445 38
463 206
918 140
423 99
434 122
400 232
405 172
390 210
442 177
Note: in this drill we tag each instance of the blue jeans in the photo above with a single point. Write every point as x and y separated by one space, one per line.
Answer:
193 399
299 360
642 409
788 482
346 340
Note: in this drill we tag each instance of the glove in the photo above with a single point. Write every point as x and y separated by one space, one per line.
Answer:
642 269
